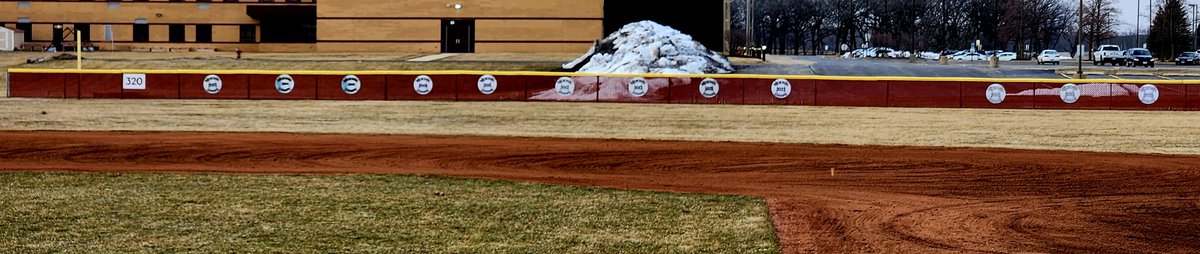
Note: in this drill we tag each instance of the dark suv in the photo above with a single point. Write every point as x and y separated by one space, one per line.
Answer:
1138 57
1188 58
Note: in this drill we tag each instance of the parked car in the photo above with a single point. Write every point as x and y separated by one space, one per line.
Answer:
929 55
1048 56
1135 57
881 52
1110 54
970 57
1188 58
1006 56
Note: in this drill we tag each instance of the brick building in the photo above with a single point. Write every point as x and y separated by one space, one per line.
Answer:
352 25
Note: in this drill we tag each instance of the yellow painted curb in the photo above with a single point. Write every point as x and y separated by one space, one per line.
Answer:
574 74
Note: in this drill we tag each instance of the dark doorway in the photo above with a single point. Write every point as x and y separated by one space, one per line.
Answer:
28 28
285 23
248 34
84 31
57 41
141 32
704 20
203 33
176 33
458 36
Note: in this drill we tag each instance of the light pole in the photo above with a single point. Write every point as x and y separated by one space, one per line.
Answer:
1193 28
1137 29
1079 42
749 16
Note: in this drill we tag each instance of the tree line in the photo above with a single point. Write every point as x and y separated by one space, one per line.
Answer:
811 26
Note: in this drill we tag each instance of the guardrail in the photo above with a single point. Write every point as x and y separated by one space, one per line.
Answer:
745 89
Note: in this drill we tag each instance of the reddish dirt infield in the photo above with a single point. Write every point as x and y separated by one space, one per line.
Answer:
879 199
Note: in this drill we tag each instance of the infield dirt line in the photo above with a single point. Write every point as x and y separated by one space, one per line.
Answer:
883 199
1107 131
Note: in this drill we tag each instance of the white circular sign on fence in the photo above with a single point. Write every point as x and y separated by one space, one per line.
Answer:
1148 94
709 88
996 93
638 87
351 84
487 84
423 85
212 84
564 86
285 84
1069 93
781 88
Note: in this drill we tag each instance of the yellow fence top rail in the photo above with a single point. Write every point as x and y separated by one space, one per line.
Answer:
575 74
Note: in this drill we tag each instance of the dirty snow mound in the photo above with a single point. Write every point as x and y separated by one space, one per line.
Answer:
647 47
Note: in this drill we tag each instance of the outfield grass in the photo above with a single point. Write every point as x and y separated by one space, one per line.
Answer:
103 213
1075 130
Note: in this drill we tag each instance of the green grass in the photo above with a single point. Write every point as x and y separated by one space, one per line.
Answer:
144 212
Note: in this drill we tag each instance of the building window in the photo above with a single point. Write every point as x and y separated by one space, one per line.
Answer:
177 33
203 33
114 5
203 6
249 34
84 31
22 5
23 24
141 32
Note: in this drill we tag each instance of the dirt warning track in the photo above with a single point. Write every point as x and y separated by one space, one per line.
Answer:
823 198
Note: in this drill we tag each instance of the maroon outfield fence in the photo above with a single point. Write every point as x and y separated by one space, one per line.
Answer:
1117 94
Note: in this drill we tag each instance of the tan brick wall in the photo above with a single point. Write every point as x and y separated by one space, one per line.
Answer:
158 33
471 8
532 47
384 25
378 30
98 12
539 30
43 32
396 25
189 33
226 34
379 47
287 47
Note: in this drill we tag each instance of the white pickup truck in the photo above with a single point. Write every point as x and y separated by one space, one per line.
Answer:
1108 54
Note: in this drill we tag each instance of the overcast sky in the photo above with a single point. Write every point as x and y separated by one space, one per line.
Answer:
1129 14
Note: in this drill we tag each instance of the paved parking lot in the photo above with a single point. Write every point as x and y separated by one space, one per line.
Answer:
820 65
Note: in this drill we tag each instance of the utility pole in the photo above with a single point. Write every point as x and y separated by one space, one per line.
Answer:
1079 43
1193 28
750 23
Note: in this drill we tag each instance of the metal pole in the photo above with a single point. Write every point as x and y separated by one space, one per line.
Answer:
1193 25
750 24
1137 29
1079 42
78 49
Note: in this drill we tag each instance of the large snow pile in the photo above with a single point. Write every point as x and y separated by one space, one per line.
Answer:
647 47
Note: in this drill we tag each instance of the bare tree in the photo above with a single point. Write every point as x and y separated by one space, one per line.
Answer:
1099 21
